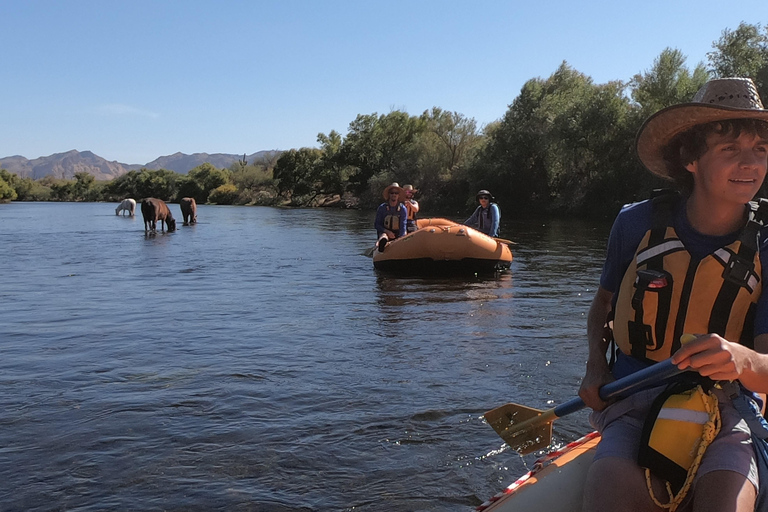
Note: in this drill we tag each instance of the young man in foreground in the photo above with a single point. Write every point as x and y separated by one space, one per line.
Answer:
692 263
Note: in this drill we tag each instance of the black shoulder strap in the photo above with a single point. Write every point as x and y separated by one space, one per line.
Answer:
739 270
664 202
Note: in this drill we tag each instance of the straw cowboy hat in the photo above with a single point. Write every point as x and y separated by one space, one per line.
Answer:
409 187
717 100
484 193
392 186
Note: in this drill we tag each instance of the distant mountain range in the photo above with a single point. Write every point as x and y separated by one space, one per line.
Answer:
65 165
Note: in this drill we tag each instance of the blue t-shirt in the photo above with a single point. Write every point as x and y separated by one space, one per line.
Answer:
384 210
627 232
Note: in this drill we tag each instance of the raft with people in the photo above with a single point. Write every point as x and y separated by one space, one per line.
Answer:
442 246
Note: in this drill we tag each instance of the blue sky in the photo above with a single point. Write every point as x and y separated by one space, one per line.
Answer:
132 80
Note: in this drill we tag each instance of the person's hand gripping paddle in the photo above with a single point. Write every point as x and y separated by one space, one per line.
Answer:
526 429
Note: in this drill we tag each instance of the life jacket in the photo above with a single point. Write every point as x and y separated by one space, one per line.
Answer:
392 218
411 211
664 294
484 217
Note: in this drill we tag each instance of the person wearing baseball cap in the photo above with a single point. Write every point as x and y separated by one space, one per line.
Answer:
683 279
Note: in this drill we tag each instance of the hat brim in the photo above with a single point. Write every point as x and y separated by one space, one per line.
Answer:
659 129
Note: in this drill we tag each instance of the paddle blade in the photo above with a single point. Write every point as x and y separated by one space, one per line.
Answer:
532 435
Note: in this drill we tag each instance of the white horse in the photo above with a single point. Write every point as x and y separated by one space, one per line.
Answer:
129 205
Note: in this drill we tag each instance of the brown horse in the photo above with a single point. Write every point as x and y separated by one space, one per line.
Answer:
154 210
188 210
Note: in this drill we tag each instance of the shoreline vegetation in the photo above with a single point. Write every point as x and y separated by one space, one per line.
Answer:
564 147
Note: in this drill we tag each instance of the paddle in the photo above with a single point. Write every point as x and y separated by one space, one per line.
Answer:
369 252
526 429
505 241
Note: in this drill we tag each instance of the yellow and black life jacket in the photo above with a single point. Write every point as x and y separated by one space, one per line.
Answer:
392 218
664 293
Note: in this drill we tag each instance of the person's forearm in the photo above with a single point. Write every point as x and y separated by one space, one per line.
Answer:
598 346
755 376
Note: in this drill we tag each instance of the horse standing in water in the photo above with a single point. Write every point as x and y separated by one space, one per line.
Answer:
128 205
154 210
188 210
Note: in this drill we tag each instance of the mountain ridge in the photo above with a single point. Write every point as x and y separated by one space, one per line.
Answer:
66 165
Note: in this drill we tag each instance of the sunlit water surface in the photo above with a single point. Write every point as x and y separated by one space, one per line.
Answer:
256 361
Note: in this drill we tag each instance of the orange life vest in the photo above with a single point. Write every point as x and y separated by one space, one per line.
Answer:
410 208
392 219
664 294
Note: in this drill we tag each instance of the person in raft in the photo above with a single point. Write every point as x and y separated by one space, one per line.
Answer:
687 263
391 216
486 217
412 207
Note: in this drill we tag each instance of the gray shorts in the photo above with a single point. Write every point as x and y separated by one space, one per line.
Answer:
621 425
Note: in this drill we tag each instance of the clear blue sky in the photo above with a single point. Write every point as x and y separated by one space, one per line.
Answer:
132 80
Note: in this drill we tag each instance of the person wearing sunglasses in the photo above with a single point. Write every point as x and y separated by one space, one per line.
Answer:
487 216
391 216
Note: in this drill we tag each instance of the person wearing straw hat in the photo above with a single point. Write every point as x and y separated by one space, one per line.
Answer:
692 262
412 207
487 216
391 217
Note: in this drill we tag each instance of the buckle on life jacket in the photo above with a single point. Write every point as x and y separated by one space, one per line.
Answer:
738 270
647 279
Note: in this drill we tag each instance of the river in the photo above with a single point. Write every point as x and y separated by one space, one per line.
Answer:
257 362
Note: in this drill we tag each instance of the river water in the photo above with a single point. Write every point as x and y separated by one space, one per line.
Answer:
257 362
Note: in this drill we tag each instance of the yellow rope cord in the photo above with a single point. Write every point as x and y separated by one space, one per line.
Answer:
711 429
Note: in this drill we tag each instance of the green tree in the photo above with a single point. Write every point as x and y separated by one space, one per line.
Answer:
560 147
667 83
7 191
296 174
162 184
456 133
202 180
62 190
380 145
83 187
742 52
444 151
224 194
253 181
332 172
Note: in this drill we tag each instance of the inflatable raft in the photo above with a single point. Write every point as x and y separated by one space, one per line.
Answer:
441 246
556 482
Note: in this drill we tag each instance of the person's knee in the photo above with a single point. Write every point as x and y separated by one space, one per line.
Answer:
617 485
724 491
